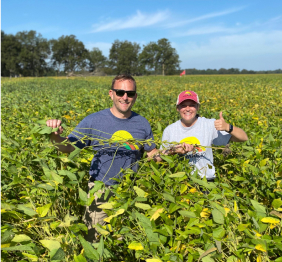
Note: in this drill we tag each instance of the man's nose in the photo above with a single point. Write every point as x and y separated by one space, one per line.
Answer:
125 96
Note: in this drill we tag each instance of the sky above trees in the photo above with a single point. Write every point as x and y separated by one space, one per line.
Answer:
206 34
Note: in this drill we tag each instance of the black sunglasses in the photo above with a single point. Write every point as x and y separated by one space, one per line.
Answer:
121 93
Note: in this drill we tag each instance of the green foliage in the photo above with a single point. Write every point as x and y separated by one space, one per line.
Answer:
69 52
96 59
160 213
124 57
10 50
160 56
34 50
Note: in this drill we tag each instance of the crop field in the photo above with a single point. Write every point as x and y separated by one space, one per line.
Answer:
159 213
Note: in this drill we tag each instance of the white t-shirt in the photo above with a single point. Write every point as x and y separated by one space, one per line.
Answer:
202 133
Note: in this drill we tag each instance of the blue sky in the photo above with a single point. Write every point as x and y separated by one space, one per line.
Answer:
206 34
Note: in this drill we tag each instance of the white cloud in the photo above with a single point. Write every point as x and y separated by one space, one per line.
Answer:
256 50
207 30
204 17
138 20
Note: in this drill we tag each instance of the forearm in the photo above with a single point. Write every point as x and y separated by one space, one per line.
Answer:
57 139
238 135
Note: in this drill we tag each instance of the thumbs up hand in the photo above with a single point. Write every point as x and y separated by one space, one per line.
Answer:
220 124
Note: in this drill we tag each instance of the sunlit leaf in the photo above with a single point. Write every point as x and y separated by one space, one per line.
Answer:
135 246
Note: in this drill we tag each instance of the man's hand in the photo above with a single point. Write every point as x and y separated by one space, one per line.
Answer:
220 124
56 138
54 123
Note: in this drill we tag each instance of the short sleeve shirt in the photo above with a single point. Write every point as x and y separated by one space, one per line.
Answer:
109 159
202 133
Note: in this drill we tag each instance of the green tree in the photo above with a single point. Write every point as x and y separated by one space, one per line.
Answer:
34 52
160 56
10 50
69 53
96 59
148 57
124 57
167 57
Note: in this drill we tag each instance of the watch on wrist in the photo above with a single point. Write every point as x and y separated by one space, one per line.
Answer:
230 128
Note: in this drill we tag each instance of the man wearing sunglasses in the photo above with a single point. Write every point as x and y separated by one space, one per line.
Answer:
117 123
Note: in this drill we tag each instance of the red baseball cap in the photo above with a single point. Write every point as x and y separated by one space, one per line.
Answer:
187 95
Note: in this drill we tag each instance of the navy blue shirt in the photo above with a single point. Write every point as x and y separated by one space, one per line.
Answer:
109 159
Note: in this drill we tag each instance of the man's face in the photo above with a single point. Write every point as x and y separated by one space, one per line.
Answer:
122 105
188 110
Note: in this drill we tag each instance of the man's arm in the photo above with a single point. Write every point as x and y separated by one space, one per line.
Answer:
56 137
183 148
237 135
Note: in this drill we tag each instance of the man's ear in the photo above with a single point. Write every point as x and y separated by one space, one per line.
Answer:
111 93
177 108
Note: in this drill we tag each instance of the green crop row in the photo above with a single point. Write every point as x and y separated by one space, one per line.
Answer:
160 213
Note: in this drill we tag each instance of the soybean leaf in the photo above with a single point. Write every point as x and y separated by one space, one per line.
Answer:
169 229
7 236
97 186
45 130
169 197
218 207
156 171
139 191
46 187
42 211
259 208
179 175
74 153
82 195
21 238
187 213
276 203
203 183
18 248
27 210
218 233
167 159
100 248
143 206
69 174
156 178
50 244
173 207
89 251
79 258
57 254
217 216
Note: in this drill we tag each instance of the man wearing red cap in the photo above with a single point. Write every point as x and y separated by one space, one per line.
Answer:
200 132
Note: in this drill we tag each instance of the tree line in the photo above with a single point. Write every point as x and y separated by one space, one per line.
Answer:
27 53
229 71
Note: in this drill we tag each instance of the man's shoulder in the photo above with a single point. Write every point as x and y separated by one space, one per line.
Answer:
95 117
103 112
138 117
